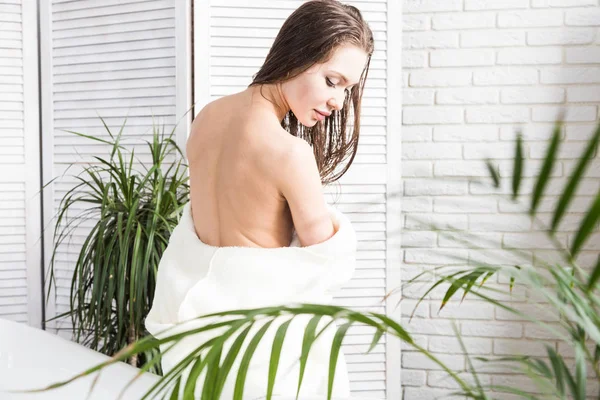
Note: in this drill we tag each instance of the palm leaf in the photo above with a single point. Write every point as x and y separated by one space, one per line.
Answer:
175 393
275 355
228 363
580 373
493 170
469 362
594 276
575 179
587 226
518 166
375 341
546 170
307 341
333 356
212 372
147 343
243 371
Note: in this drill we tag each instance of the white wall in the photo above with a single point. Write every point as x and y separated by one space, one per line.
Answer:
473 71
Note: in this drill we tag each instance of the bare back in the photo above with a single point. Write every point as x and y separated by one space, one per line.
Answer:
234 200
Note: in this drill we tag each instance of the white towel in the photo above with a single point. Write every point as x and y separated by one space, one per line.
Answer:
197 279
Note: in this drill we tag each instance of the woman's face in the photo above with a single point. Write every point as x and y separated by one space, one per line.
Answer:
322 87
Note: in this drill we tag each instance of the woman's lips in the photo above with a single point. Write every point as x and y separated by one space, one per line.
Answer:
320 116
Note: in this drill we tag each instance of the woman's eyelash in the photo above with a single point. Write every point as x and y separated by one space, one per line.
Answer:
329 83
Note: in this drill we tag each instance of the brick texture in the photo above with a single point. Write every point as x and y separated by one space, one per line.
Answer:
475 72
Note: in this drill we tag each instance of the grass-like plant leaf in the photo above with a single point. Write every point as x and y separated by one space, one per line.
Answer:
575 179
517 166
275 355
591 285
479 388
133 213
587 225
546 170
228 362
376 338
243 371
580 373
493 170
307 341
333 356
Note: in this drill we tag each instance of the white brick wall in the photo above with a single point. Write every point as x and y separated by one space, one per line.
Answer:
474 71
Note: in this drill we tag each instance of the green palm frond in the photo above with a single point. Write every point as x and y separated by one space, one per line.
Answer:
569 291
217 371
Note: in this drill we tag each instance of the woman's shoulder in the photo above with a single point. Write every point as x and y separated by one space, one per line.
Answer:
256 128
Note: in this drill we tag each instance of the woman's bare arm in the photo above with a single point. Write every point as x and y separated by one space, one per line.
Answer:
299 182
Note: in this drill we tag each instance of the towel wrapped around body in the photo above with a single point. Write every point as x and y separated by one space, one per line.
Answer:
196 279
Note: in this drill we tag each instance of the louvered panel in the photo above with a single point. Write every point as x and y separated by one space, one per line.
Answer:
132 26
114 112
154 82
124 94
365 368
114 123
162 9
12 260
13 245
141 55
115 75
111 9
241 34
68 158
68 176
117 60
144 102
13 288
7 275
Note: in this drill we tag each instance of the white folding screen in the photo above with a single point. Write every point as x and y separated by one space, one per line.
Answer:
130 58
113 59
231 41
20 247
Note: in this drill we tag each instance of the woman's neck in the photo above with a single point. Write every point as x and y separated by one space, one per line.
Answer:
269 96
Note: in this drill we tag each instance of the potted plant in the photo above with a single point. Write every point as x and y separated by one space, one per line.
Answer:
133 208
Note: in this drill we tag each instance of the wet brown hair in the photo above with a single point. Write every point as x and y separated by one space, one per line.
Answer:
310 35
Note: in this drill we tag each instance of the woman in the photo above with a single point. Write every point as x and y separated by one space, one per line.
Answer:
253 174
257 231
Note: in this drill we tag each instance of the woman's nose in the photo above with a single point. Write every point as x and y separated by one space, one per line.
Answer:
336 103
